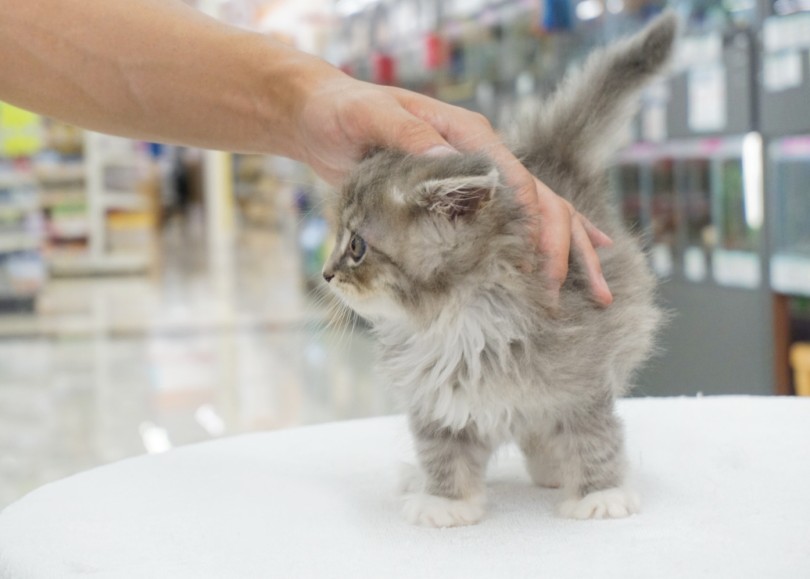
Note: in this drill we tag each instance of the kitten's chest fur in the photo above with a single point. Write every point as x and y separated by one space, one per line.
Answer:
470 364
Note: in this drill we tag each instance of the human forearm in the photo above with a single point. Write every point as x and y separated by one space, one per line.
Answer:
154 69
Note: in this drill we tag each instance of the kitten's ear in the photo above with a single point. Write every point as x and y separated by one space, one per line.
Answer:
457 196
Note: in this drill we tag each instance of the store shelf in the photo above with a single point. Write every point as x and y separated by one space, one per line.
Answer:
16 303
60 172
14 180
88 201
109 264
61 198
9 210
125 201
18 242
790 274
64 233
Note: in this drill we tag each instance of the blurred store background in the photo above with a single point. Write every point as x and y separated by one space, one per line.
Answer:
153 296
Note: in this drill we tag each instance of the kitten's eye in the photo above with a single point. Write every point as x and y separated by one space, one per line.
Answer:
357 247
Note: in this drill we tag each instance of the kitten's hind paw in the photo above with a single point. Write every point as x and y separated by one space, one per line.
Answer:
612 503
432 511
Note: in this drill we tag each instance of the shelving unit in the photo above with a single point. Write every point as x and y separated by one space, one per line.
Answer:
113 224
21 268
22 273
64 203
257 189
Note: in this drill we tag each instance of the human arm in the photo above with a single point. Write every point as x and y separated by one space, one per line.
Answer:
153 70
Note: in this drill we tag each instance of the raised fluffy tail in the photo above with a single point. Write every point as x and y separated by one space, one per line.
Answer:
578 125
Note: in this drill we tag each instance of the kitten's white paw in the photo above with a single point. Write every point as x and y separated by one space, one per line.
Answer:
433 511
612 503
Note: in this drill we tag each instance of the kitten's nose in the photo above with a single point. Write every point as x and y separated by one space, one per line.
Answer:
327 275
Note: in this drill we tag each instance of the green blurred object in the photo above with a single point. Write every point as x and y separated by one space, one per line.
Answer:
736 233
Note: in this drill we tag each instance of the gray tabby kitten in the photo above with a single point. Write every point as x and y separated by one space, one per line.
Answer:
436 254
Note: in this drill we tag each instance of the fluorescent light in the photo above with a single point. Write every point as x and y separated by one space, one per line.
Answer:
208 418
752 180
349 7
589 9
155 439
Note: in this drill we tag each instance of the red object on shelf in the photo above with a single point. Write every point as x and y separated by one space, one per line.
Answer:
384 69
434 51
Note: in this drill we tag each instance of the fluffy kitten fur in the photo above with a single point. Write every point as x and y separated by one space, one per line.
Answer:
436 254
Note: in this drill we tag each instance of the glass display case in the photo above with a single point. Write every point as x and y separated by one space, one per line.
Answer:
663 217
789 193
694 189
738 210
625 180
643 184
697 204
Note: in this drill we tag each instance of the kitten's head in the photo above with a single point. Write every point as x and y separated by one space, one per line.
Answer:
411 231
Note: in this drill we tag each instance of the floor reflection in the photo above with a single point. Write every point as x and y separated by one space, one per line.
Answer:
71 404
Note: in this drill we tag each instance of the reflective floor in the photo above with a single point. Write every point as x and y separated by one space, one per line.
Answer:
205 347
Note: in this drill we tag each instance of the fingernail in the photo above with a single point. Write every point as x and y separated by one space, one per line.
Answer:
607 295
601 239
441 151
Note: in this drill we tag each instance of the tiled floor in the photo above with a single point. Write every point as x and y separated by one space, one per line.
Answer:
113 368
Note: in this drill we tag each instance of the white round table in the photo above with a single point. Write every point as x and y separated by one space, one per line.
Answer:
725 484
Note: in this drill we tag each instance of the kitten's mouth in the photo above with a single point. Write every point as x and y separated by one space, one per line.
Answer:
344 293
371 306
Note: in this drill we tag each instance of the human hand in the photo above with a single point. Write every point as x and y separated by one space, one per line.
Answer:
343 118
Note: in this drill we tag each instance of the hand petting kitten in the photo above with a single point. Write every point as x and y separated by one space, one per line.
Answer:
344 118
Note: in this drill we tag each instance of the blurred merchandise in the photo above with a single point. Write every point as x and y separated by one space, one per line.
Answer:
314 235
20 132
800 360
22 274
258 191
112 228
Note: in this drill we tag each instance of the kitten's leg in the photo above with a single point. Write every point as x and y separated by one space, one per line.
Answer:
454 462
542 462
591 445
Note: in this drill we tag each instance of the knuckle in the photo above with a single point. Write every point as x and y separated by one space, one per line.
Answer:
411 130
572 213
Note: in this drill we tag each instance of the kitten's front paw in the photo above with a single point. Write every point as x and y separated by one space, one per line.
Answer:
612 503
433 511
